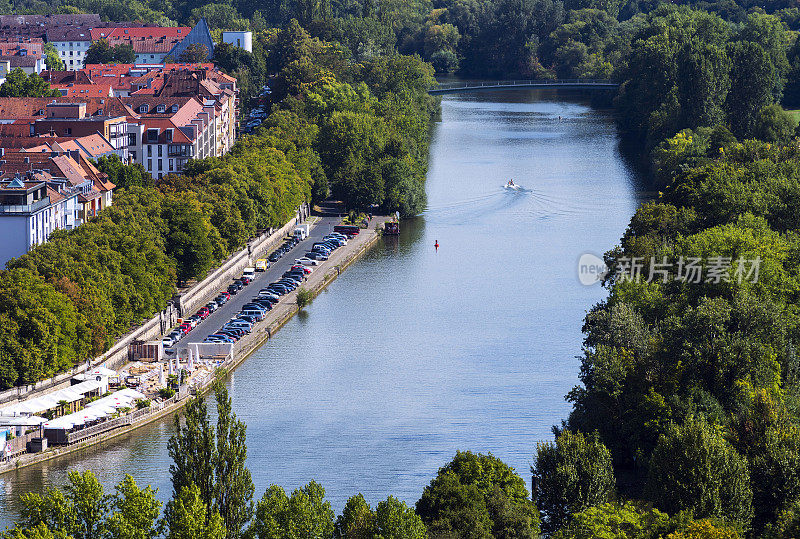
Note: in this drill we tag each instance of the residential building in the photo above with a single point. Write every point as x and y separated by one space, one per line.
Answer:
72 43
25 54
243 40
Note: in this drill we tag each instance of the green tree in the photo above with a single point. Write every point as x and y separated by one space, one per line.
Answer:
693 468
51 58
101 52
20 84
124 175
751 66
234 485
83 511
134 512
305 514
187 517
357 520
194 53
392 519
571 474
478 496
773 125
193 452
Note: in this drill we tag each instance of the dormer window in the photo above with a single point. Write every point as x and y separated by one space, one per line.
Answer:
152 135
143 109
174 108
168 134
161 108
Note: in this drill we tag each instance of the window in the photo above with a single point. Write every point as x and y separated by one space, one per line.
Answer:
159 165
150 165
152 135
161 108
174 108
160 151
169 135
68 131
171 165
131 139
149 151
70 53
133 156
143 109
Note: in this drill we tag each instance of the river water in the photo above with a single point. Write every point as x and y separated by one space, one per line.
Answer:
414 353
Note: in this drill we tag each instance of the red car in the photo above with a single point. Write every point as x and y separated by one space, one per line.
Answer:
305 269
226 294
203 313
185 328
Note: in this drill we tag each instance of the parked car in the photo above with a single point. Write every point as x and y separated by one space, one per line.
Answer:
306 261
167 342
316 255
304 269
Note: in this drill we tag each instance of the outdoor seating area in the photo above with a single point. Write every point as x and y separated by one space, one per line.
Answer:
63 401
94 413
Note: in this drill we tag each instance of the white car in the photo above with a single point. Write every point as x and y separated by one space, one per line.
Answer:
306 261
167 342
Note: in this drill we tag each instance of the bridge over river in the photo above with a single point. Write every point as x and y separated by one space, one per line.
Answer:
555 84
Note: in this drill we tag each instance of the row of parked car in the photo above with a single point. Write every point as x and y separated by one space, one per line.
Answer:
255 310
260 305
320 251
192 322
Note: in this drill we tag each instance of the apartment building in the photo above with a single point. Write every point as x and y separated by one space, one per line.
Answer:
43 192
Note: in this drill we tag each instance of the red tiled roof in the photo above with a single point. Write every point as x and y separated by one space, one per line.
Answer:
15 48
143 40
85 90
54 195
65 77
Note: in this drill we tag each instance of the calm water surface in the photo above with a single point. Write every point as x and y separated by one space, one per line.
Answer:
413 353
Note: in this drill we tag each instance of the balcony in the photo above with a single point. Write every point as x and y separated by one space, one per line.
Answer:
25 208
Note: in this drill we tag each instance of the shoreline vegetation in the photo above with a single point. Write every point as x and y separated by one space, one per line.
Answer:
685 420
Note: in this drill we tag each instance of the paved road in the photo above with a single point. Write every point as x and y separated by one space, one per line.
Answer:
229 310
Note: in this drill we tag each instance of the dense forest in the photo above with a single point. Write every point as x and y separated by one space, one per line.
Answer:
359 130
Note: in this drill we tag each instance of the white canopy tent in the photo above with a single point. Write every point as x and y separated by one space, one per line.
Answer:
99 409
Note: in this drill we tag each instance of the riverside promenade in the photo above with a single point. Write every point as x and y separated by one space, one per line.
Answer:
322 275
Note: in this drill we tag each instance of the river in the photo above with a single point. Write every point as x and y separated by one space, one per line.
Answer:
414 353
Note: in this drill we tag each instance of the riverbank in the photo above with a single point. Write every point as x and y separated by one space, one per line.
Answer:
275 319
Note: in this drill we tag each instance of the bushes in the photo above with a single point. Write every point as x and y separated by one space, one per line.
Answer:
304 297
